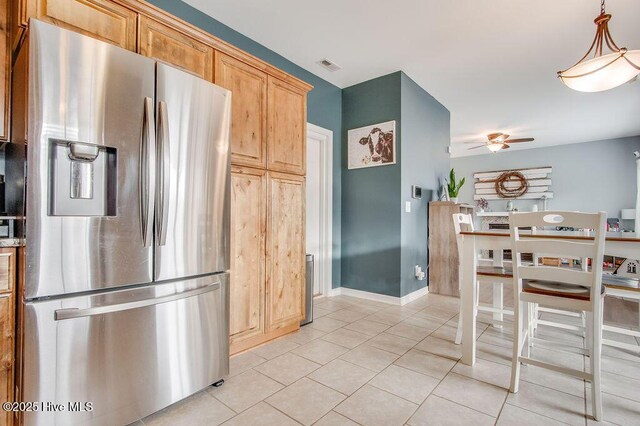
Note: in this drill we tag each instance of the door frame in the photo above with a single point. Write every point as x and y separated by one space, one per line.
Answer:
324 264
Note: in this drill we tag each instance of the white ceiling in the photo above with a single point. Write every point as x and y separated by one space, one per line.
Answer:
492 63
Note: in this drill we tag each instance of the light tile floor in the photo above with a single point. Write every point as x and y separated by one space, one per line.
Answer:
369 363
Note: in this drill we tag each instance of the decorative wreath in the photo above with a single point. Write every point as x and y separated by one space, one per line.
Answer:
515 192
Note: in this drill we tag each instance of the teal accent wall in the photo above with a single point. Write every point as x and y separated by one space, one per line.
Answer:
425 162
381 243
324 103
370 196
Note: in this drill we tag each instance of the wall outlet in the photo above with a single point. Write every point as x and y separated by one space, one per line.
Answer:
407 206
419 273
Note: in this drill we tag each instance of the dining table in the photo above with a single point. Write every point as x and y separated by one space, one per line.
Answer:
618 244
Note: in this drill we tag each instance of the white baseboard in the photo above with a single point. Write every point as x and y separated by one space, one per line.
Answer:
414 295
392 300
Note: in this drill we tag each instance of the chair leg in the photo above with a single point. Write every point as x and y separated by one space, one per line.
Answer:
596 359
515 362
498 303
530 326
526 327
459 330
588 330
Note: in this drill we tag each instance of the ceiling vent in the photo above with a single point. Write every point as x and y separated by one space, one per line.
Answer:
325 63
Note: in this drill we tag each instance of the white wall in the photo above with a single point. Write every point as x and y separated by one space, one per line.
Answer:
590 176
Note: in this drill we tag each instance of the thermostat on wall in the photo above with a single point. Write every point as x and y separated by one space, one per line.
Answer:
416 191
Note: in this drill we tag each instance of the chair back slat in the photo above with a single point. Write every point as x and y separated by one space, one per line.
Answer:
556 248
551 273
553 219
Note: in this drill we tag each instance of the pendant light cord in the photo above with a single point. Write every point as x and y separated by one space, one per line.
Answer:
602 7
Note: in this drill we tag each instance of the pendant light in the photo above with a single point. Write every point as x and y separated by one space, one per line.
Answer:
596 71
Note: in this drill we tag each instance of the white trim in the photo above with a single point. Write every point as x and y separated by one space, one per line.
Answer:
392 300
414 295
325 263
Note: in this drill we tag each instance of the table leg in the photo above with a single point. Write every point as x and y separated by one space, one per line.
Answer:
467 299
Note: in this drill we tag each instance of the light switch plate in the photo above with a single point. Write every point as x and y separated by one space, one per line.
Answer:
407 206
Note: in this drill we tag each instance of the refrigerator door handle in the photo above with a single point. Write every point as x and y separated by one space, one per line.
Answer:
71 313
164 161
147 173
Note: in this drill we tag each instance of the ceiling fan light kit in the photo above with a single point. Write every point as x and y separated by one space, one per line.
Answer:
596 71
498 141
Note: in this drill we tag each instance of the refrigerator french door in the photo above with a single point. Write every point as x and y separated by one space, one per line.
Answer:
127 231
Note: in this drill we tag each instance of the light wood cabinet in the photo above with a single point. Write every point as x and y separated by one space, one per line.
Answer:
443 247
5 66
285 250
287 118
248 223
101 19
249 109
7 325
6 354
166 44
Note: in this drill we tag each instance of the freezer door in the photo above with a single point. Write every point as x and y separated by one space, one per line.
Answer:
193 190
90 178
127 352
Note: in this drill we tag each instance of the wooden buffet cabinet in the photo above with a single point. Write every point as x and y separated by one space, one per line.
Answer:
268 152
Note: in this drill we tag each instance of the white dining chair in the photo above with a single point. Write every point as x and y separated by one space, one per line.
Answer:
495 276
628 289
562 288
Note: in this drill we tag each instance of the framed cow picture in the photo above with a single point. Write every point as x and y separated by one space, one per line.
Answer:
372 146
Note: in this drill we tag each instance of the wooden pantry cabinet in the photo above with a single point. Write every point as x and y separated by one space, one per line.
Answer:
285 250
7 328
166 44
248 86
268 149
287 118
248 232
102 19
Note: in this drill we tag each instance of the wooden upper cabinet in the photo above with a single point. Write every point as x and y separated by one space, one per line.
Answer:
249 109
287 118
248 223
285 250
5 65
101 19
166 44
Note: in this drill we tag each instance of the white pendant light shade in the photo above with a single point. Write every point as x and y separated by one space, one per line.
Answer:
604 72
598 70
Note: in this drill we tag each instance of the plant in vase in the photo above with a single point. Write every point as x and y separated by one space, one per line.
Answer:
454 187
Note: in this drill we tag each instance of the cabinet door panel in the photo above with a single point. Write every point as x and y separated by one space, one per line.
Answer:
248 222
285 250
249 109
161 42
7 269
101 19
6 354
286 142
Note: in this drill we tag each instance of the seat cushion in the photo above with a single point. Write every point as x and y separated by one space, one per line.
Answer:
551 288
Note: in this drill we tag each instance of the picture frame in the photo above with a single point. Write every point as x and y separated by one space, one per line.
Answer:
372 146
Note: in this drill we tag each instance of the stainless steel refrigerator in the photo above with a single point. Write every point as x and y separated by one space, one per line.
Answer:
127 231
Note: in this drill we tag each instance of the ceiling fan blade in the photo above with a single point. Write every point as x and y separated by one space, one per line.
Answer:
476 147
494 136
505 146
520 140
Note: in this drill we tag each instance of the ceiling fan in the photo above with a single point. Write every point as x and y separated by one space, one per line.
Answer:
498 141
